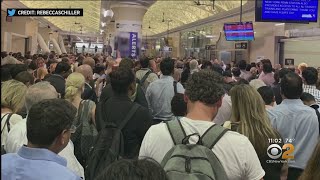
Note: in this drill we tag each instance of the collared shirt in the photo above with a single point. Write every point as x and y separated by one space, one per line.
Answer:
299 123
159 95
268 78
17 137
312 89
35 164
245 74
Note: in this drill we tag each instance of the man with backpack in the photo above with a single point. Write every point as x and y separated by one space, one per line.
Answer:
160 92
196 148
121 124
145 75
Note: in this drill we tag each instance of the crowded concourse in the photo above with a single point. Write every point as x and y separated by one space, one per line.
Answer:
98 112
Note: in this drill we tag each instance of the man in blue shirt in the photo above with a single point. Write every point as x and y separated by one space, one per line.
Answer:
297 124
160 92
49 127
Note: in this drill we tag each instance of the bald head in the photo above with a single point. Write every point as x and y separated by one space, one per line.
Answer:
89 61
86 71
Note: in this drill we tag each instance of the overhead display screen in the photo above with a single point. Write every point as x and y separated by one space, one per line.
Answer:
239 31
303 11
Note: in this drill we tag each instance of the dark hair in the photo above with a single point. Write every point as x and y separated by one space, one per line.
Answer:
267 94
5 74
236 72
4 54
228 86
17 68
121 79
283 72
265 61
144 62
242 81
145 169
45 57
62 67
99 68
267 67
126 62
242 65
248 67
205 86
51 56
227 74
307 97
310 75
25 77
33 65
47 119
291 86
206 64
253 64
228 67
65 59
178 105
167 66
276 76
217 68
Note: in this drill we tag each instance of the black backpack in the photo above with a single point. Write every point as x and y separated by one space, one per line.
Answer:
108 147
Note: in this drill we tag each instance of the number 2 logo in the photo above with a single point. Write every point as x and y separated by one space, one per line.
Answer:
275 151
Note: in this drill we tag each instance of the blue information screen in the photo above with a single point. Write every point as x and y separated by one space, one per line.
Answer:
290 10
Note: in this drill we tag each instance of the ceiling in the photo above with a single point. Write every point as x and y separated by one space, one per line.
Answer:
90 22
178 13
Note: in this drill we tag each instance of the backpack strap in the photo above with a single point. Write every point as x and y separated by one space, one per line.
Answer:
176 131
8 115
175 87
129 116
212 135
144 78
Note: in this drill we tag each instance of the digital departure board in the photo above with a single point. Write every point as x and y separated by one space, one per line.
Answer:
292 11
239 31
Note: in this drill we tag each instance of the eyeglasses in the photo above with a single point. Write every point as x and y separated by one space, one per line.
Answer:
73 129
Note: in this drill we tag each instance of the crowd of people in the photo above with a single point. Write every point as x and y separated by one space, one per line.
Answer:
90 116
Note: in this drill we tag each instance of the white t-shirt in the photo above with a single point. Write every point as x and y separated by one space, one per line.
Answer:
234 150
14 119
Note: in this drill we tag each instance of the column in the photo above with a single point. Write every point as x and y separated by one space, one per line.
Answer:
128 28
32 33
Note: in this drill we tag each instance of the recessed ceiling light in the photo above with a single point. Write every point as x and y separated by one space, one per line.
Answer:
108 13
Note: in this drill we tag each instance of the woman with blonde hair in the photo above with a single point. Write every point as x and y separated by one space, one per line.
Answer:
12 101
312 170
85 122
41 73
250 118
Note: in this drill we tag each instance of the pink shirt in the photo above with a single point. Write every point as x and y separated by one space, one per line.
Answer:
268 78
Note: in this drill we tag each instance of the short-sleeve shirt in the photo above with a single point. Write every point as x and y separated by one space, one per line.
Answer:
235 151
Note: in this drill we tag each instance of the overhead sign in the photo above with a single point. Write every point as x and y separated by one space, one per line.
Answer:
210 47
242 45
289 62
133 44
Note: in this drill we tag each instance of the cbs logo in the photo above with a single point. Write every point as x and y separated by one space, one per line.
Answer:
275 151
